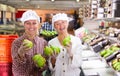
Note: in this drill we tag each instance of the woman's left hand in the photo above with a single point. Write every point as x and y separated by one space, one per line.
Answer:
69 47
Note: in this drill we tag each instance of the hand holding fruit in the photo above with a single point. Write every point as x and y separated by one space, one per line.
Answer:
27 43
48 51
51 50
39 60
56 50
25 46
68 48
66 41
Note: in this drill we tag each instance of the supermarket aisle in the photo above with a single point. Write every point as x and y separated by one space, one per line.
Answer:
93 65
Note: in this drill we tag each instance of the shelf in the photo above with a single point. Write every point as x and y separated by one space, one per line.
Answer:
109 19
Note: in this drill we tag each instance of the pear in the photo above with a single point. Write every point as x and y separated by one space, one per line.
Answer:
66 40
48 51
28 43
118 68
115 48
55 49
107 54
102 53
116 64
39 60
114 61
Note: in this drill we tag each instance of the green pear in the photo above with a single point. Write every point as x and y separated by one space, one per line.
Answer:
102 53
107 54
39 60
52 33
115 48
48 51
114 61
66 40
28 43
55 49
116 64
118 68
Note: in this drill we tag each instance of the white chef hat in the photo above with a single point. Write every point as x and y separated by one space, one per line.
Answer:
59 16
29 15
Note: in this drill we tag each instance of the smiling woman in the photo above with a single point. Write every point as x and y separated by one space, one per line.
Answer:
68 61
22 54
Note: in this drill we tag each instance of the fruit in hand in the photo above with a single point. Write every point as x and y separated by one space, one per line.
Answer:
66 40
28 43
48 51
55 49
39 60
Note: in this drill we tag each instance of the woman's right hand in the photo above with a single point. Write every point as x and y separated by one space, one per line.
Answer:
23 49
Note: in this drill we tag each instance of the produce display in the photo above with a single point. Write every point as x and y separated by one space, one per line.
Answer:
66 40
116 64
49 33
39 60
106 52
28 43
51 50
96 40
88 38
107 45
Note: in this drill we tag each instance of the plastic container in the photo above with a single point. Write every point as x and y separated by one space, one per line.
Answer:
5 47
6 69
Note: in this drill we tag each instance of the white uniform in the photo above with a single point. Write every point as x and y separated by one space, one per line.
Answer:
64 66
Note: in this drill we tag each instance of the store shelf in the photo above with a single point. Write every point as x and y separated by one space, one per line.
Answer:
108 19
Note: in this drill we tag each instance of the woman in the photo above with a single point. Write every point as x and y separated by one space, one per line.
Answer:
68 61
23 64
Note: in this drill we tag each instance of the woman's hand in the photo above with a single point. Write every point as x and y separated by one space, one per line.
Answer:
23 49
69 47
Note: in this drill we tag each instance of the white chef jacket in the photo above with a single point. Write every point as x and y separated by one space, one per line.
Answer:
64 66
